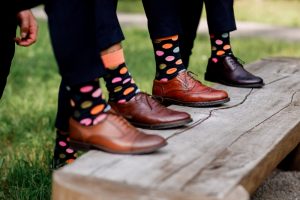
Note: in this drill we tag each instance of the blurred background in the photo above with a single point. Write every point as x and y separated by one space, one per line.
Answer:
266 28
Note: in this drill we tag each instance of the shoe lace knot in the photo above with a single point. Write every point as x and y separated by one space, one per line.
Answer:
233 60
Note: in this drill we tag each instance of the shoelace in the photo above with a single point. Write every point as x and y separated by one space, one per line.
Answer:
121 121
193 76
236 61
154 103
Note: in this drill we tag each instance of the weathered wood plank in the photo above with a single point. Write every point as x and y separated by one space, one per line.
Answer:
77 187
239 143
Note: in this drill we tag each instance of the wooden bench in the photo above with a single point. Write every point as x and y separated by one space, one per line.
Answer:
226 153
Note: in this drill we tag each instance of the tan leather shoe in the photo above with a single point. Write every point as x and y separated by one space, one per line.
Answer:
115 135
146 112
185 90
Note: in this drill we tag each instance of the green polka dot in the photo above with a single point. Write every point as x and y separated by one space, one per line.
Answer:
62 156
225 35
86 104
118 89
213 48
76 114
162 66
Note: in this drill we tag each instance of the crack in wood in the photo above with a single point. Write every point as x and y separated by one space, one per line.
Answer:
210 114
223 108
248 131
276 80
219 155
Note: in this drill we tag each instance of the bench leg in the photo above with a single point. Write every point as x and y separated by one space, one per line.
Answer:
292 161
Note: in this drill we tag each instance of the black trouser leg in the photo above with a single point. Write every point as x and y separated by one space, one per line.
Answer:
189 26
79 30
163 20
220 16
7 48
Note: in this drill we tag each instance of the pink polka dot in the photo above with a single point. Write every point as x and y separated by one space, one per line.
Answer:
86 121
122 101
164 80
126 80
170 58
215 60
117 79
160 53
70 150
97 93
62 144
219 42
132 81
99 119
86 89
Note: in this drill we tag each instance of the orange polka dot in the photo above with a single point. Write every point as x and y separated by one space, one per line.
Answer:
226 47
220 53
174 38
128 90
178 62
70 161
124 70
97 109
167 46
171 71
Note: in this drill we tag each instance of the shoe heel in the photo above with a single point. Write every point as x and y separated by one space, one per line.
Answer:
79 146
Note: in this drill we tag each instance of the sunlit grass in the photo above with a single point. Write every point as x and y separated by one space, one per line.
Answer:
277 12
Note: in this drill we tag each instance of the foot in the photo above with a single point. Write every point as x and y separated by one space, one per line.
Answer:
63 153
115 135
146 112
229 71
185 90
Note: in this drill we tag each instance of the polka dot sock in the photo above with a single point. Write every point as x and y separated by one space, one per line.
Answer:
87 103
220 46
120 84
63 153
168 58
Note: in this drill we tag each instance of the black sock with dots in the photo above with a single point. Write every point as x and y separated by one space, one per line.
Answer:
220 46
87 103
63 153
168 58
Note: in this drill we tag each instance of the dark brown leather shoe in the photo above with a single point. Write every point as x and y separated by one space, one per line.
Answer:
185 90
229 71
146 112
115 135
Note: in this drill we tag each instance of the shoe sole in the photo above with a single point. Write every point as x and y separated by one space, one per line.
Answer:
81 146
168 101
162 126
256 85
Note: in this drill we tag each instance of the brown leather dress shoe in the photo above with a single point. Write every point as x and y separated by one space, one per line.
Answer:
185 90
146 112
115 135
229 71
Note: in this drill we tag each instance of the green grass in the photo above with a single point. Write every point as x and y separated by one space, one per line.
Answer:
28 107
277 12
